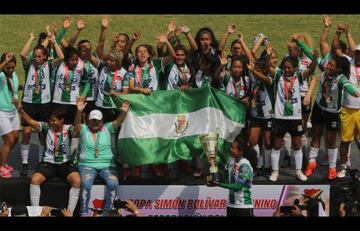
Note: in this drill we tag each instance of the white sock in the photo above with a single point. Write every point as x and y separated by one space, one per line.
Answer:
267 156
298 155
287 144
259 157
73 198
332 157
41 153
348 156
275 156
24 150
35 194
313 154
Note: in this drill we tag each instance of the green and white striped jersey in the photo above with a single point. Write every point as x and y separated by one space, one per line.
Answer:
329 96
304 63
93 78
202 80
239 172
110 80
238 89
354 78
287 96
262 101
147 76
177 76
57 147
6 102
70 84
38 83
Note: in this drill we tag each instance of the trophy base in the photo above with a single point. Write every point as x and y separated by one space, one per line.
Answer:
211 178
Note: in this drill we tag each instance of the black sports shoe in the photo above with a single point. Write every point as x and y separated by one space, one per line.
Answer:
24 170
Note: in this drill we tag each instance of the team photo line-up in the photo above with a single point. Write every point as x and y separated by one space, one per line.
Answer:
70 86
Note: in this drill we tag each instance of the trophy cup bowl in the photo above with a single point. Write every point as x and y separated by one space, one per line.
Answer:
209 143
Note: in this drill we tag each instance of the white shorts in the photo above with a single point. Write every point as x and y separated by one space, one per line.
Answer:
9 121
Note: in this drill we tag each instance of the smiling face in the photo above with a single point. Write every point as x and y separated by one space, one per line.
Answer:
56 123
142 54
121 42
180 57
237 68
84 50
236 50
73 61
293 49
289 69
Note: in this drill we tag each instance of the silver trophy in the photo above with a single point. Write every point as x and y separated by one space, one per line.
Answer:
209 143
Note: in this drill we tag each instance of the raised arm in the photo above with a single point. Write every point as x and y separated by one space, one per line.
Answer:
349 38
80 24
324 46
161 38
231 30
247 51
223 62
310 70
135 36
258 74
81 104
26 48
335 43
186 30
257 45
60 54
171 28
269 68
123 112
100 47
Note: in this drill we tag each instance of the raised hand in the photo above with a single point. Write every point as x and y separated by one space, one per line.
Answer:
177 31
8 57
161 38
32 35
54 28
105 21
231 29
47 28
241 37
80 104
346 28
52 38
125 106
251 66
223 58
66 22
295 37
80 24
341 28
326 21
172 26
185 29
136 35
115 37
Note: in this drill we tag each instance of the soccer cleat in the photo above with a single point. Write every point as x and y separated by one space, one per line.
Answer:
341 173
274 176
332 173
301 176
310 168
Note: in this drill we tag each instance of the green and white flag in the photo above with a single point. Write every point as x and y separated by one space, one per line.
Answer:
165 126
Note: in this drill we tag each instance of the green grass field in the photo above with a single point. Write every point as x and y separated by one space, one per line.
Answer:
15 28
